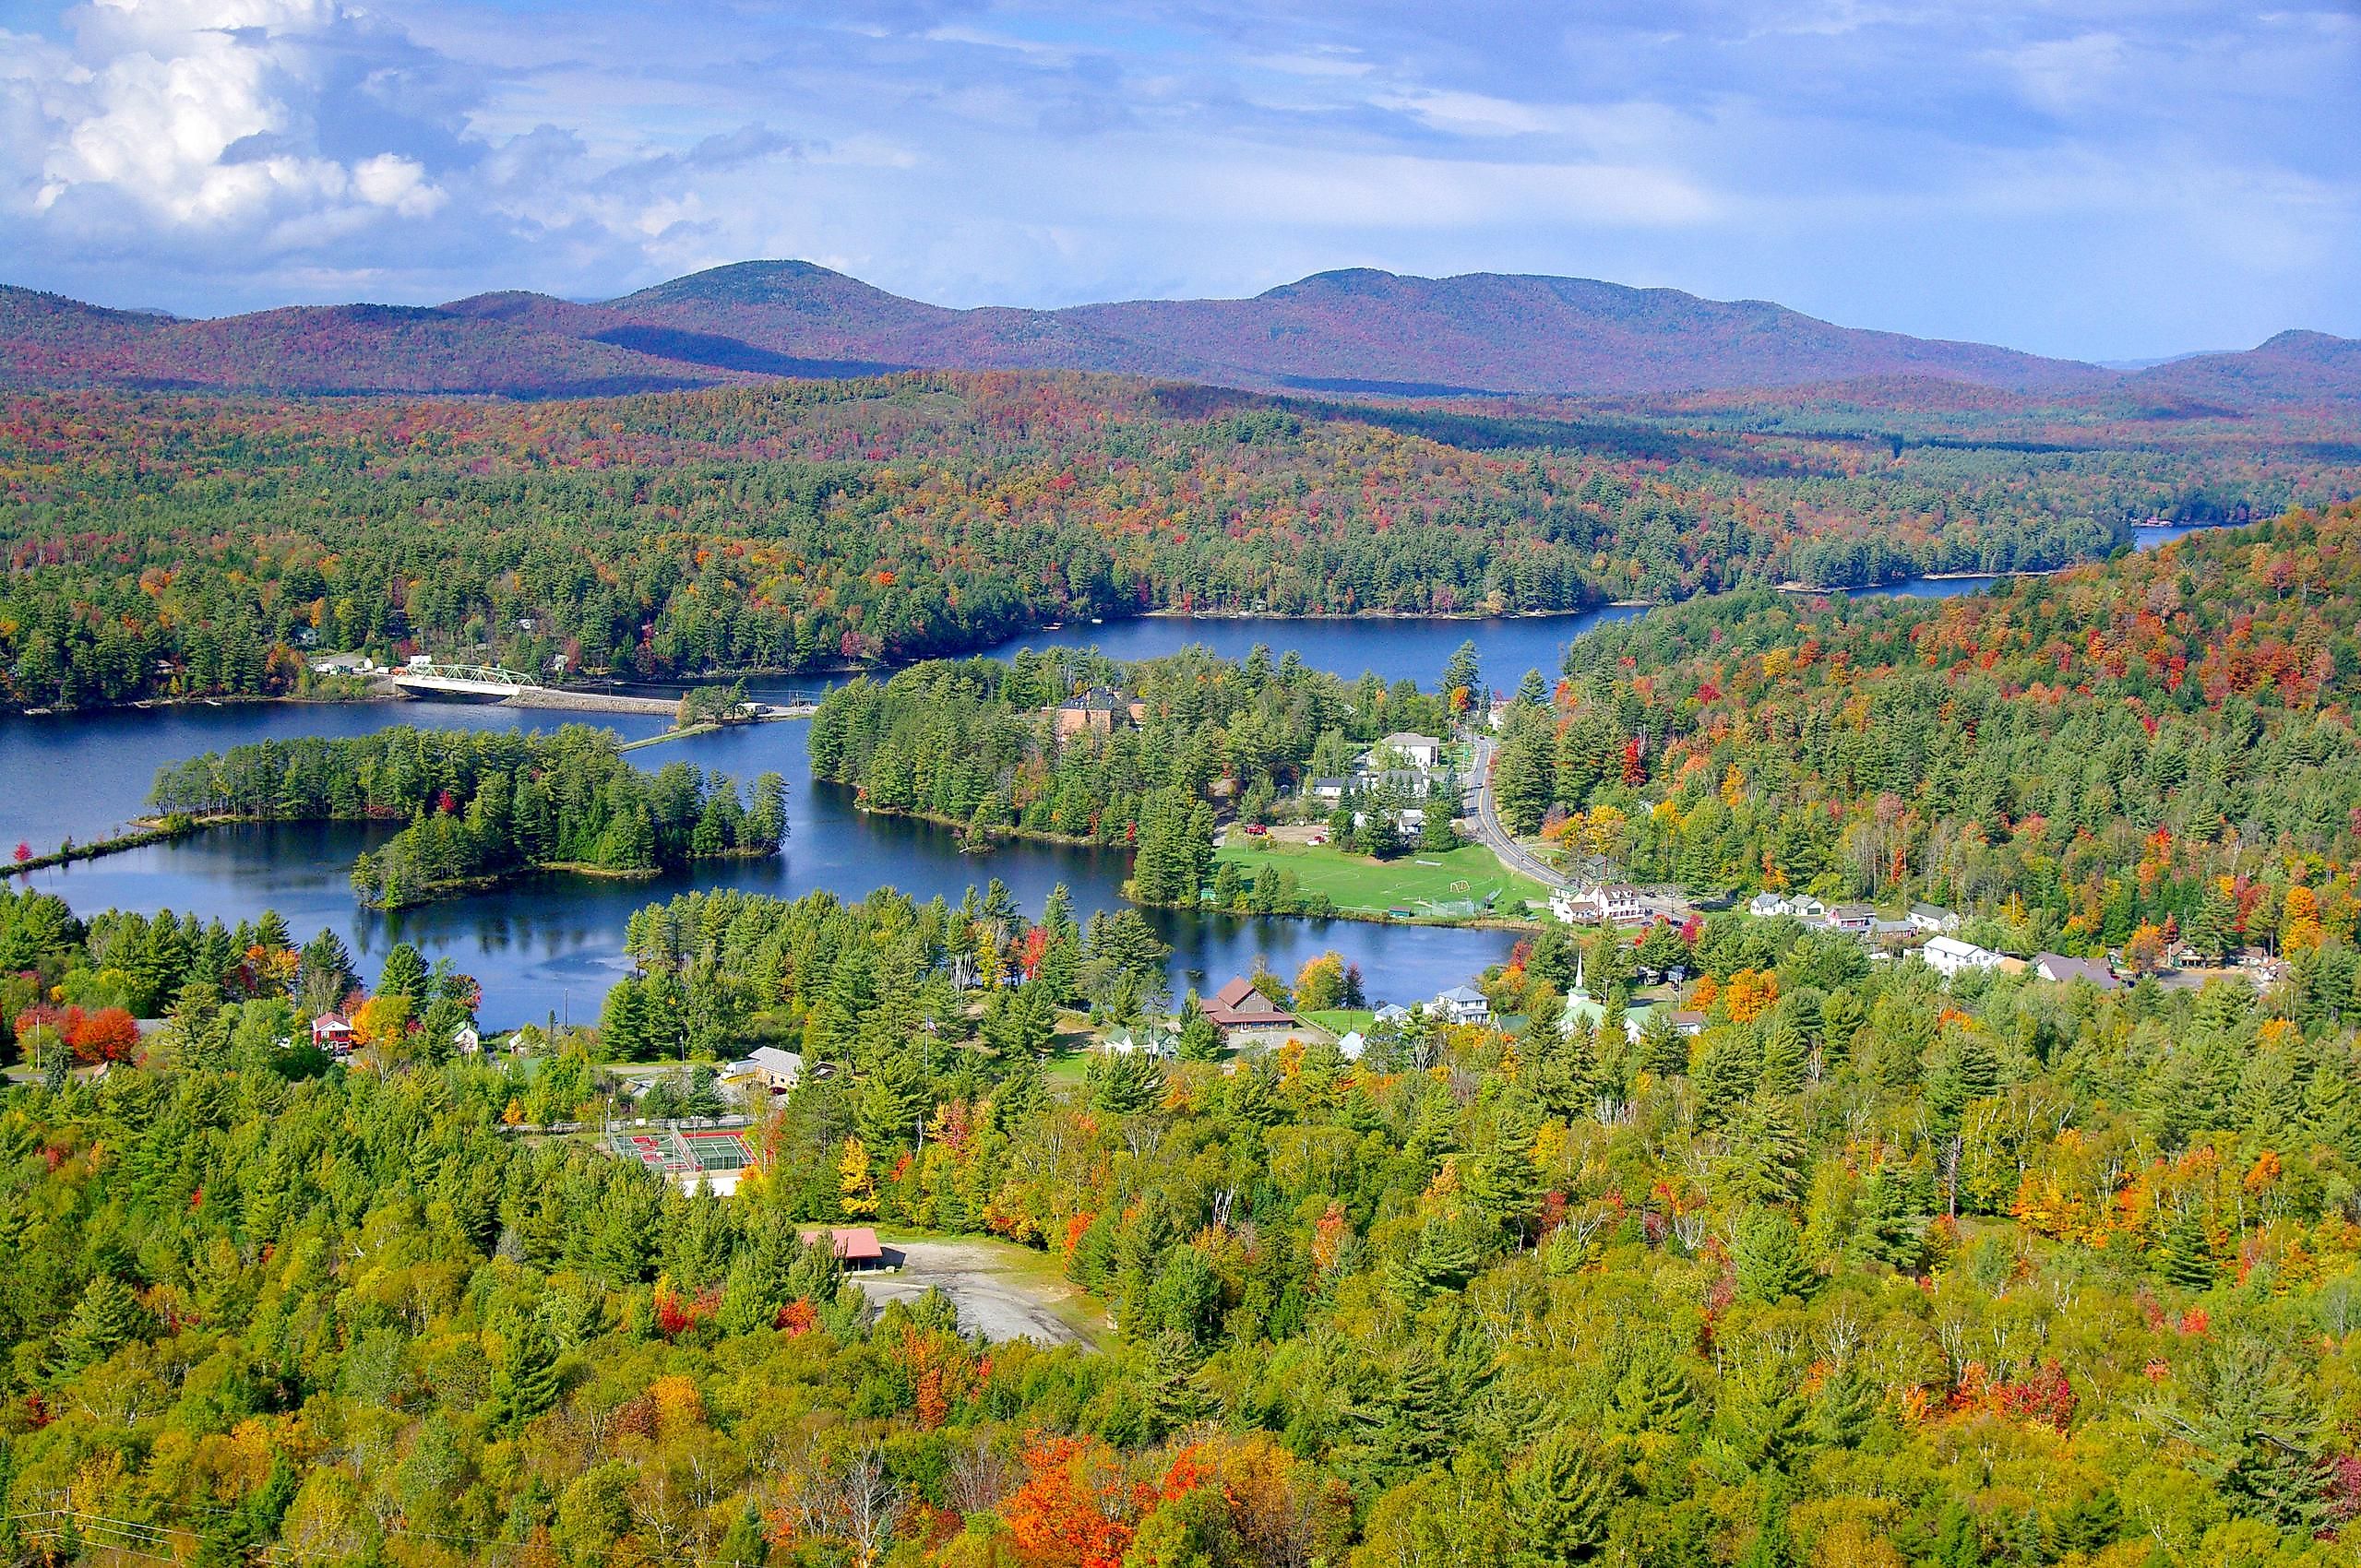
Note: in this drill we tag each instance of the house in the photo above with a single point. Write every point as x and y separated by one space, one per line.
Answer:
2059 969
1147 1040
1328 787
1392 1015
1416 751
1495 712
1608 903
1767 905
856 1246
1686 1021
334 1032
1934 921
1238 1008
465 1041
1806 908
1352 1046
1948 957
1853 920
776 1070
1095 710
1462 1004
341 664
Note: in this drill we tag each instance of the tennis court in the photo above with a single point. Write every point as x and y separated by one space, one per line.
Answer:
683 1151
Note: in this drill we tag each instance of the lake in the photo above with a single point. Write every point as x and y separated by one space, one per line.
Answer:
553 943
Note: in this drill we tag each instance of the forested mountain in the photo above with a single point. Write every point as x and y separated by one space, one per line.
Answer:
1356 331
2162 744
171 546
46 340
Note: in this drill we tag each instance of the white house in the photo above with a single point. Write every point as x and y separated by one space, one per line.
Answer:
1462 1004
1804 907
1767 905
465 1041
1609 903
1947 956
1418 751
1147 1039
1934 921
1354 1043
1392 1014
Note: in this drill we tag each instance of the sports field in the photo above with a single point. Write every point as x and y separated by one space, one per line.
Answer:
683 1151
1416 884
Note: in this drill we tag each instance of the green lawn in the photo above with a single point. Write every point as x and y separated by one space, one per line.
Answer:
1413 882
1342 1021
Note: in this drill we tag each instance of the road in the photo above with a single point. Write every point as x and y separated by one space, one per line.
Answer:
1490 828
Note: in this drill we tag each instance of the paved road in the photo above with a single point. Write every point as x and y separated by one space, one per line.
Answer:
1490 828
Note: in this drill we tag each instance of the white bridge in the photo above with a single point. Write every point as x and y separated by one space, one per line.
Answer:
481 680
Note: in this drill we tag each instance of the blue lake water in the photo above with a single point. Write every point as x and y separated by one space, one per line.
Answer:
553 945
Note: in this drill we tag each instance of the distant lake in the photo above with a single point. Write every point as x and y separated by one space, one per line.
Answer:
1411 647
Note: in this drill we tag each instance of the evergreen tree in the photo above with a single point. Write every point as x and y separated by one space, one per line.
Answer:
1201 1039
1563 1494
1770 1259
2185 1253
524 1373
1460 671
105 1318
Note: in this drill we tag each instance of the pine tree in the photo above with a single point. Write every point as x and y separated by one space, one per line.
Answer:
2185 1255
1653 1394
1201 1039
1770 1259
1460 671
106 1318
524 1374
1563 1494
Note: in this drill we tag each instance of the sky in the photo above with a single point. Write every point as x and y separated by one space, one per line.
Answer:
2101 179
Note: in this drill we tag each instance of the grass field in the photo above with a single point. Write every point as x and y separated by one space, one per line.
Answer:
1412 884
1342 1021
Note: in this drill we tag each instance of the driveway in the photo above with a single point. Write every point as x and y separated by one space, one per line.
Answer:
1002 1292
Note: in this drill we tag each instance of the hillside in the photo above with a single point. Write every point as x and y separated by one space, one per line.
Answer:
1357 331
46 340
176 545
2012 754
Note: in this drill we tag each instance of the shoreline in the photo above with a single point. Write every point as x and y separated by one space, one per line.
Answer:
1468 616
1334 913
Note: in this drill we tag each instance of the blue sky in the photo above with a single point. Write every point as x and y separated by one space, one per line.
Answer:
2098 178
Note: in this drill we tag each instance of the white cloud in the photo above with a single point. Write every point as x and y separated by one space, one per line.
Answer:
204 114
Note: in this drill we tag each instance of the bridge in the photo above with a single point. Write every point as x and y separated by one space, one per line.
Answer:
479 681
496 683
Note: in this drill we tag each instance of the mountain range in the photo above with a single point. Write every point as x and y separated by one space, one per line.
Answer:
1357 331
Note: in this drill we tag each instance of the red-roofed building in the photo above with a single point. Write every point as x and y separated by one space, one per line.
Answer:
856 1246
1238 1005
334 1032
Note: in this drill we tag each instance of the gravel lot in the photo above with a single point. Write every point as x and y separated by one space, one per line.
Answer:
1002 1292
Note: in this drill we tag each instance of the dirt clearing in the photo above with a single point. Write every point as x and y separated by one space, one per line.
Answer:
1001 1291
